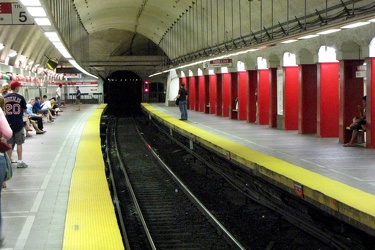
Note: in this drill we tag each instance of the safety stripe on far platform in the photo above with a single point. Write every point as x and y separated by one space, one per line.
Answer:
91 220
322 191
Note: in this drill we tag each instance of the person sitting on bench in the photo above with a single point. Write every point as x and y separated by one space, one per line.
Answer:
358 123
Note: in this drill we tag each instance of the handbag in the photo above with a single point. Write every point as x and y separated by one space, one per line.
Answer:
4 147
9 170
177 101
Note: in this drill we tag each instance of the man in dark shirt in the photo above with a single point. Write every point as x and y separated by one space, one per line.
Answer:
78 99
15 106
182 96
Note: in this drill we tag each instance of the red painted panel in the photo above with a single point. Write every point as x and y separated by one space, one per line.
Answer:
328 100
290 118
201 93
308 90
272 123
351 93
219 94
263 96
242 95
212 102
226 94
251 97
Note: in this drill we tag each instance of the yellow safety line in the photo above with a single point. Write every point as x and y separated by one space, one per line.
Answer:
91 220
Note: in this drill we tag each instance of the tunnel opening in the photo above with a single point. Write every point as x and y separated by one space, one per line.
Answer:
123 92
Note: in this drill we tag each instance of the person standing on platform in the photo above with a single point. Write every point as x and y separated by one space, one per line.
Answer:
6 133
15 106
58 95
182 96
78 99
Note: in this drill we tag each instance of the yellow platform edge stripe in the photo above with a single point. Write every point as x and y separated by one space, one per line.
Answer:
91 221
320 190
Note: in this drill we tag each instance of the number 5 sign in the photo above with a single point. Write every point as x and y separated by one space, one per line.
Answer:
14 13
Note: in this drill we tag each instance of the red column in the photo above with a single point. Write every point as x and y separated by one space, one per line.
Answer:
263 96
307 103
370 105
206 102
213 94
226 94
272 123
328 100
233 112
351 93
219 94
290 117
242 95
252 76
201 94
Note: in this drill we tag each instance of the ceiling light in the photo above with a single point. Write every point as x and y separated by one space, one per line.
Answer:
41 21
12 53
354 25
51 34
36 11
372 20
290 41
308 36
328 31
1 46
31 3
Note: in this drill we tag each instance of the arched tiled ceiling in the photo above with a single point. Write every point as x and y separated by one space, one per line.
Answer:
126 34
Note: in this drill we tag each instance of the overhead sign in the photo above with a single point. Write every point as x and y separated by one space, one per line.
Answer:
72 75
220 63
14 14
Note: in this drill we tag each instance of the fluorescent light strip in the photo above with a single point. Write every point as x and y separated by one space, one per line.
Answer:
28 3
42 21
76 65
354 25
36 11
307 37
328 31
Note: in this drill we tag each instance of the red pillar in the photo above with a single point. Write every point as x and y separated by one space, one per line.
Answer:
212 102
263 96
219 94
273 98
328 100
290 96
252 76
370 105
242 95
307 103
201 94
226 94
351 93
233 112
191 90
206 102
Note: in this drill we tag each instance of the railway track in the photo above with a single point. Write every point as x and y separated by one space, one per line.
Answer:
162 215
227 191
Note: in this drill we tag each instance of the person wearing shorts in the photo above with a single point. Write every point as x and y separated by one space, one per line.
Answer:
15 106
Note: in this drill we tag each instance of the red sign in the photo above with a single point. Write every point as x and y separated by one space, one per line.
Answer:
5 8
221 63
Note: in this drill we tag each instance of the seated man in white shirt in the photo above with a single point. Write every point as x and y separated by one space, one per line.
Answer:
47 105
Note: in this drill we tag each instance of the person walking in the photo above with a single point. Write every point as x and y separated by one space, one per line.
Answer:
182 97
15 106
78 99
58 95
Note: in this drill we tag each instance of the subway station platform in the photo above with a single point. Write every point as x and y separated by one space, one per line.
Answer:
49 205
339 180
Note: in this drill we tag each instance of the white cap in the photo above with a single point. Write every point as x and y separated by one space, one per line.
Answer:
5 84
